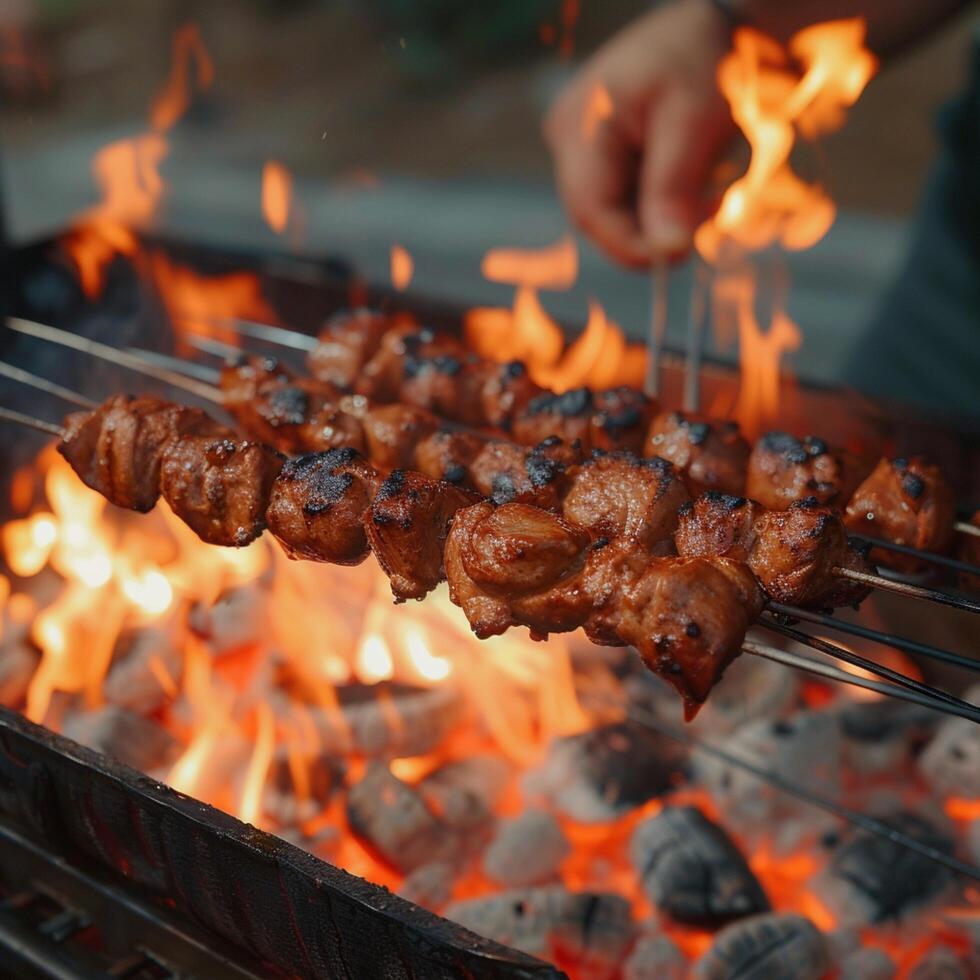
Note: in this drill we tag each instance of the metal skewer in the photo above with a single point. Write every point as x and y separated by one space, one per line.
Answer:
912 591
658 326
887 639
43 384
217 348
107 353
258 331
199 371
950 703
932 557
696 326
30 422
828 671
964 527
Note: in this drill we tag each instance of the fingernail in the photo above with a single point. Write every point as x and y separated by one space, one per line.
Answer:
667 227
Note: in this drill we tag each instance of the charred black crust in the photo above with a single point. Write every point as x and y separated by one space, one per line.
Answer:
617 419
913 486
415 365
454 473
326 490
726 501
502 489
685 508
549 443
576 402
793 450
807 503
286 405
392 486
859 546
542 469
513 369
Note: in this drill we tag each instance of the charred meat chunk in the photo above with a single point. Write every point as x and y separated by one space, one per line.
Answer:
448 454
711 454
907 501
407 525
687 617
621 419
796 552
414 365
331 428
717 525
783 469
618 495
219 486
346 343
491 394
117 448
392 433
505 566
318 504
567 416
507 472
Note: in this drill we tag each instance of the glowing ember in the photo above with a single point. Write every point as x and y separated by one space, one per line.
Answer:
402 267
277 191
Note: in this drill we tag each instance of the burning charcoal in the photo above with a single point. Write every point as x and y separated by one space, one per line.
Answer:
393 820
804 748
527 850
950 763
18 661
146 669
236 620
461 807
655 958
871 879
590 930
389 719
298 790
430 886
776 946
485 776
869 963
692 870
603 773
942 963
125 735
877 735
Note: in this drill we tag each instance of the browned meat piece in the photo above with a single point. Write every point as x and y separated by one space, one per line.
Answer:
407 526
719 525
219 487
275 407
392 433
448 454
796 551
416 366
687 617
491 394
117 449
710 453
784 469
505 567
318 505
567 416
508 472
346 343
907 501
332 428
969 550
621 419
618 495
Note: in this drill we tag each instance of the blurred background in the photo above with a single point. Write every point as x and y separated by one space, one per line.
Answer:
418 122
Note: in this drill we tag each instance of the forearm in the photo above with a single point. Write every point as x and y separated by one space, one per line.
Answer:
892 24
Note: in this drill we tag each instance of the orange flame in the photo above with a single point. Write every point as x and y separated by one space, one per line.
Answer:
277 192
552 267
402 267
174 98
598 108
258 766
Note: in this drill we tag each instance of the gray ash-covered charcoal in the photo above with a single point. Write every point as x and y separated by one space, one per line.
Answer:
460 804
877 736
655 958
601 774
775 946
868 963
943 963
298 787
137 741
430 886
388 719
238 618
485 776
873 880
526 850
393 821
950 763
592 930
692 870
146 670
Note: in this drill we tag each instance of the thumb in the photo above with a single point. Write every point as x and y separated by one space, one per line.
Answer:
683 139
